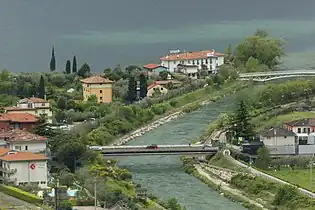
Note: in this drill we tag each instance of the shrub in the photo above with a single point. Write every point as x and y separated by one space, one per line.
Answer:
20 194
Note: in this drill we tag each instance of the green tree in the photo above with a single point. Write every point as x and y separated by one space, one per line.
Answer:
41 88
240 125
260 46
74 65
163 75
173 204
143 85
132 90
53 60
263 158
68 67
4 75
85 70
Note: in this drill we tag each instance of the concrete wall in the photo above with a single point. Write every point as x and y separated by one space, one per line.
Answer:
282 150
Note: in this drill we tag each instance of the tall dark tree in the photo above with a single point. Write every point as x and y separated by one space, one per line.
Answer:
74 65
85 70
41 88
68 67
240 123
53 60
143 85
132 90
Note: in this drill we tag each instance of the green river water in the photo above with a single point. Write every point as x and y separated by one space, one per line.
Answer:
164 176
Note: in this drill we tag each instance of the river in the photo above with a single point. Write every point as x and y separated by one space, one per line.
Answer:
164 176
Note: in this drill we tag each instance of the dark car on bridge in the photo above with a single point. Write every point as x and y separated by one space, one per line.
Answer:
152 146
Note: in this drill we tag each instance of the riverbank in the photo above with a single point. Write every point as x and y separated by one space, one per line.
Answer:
201 97
217 179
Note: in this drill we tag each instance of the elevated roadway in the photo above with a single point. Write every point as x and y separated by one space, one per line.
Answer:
273 75
155 150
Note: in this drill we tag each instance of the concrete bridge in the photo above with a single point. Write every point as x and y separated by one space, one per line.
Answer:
194 150
273 75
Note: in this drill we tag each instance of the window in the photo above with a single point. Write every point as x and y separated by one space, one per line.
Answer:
101 98
304 130
193 62
26 147
43 104
285 137
299 130
206 61
197 62
308 130
188 61
174 62
43 182
100 83
101 91
210 61
210 67
161 88
17 148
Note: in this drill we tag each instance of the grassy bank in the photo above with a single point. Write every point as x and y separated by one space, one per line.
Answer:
190 169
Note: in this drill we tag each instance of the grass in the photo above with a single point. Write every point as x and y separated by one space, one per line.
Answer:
281 119
300 177
220 161
125 187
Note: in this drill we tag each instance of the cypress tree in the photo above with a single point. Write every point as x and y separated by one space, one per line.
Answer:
240 124
132 90
74 65
53 60
68 67
143 86
41 88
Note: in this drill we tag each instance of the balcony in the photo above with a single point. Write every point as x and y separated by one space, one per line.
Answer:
8 171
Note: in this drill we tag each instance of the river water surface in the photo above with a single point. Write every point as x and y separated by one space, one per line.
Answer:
164 176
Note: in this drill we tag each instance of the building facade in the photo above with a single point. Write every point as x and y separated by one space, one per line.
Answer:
280 141
36 106
302 128
206 59
101 87
17 121
21 168
190 70
21 140
154 69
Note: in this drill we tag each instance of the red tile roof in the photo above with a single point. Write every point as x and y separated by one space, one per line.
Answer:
20 135
18 117
151 66
163 82
21 156
96 80
33 100
3 151
191 55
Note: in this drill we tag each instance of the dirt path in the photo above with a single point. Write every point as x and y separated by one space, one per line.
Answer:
225 186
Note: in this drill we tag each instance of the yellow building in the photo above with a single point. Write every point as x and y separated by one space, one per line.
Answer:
98 86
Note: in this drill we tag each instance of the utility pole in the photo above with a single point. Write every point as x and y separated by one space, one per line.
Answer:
95 200
311 173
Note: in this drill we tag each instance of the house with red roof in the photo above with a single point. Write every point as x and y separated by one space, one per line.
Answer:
161 87
153 68
17 120
22 168
22 140
35 106
205 59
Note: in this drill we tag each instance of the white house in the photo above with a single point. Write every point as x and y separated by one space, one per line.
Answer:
279 141
189 70
35 106
22 168
209 59
21 140
302 128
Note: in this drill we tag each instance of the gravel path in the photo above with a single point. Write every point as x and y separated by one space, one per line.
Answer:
225 186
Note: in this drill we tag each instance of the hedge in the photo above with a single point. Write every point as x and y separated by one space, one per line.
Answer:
20 194
83 202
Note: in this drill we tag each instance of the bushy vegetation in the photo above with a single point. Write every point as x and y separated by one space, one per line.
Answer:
20 194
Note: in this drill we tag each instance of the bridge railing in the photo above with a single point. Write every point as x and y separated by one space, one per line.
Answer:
274 73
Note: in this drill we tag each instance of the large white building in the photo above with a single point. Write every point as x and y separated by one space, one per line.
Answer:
21 168
206 59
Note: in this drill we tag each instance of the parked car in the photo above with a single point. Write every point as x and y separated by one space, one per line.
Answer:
152 146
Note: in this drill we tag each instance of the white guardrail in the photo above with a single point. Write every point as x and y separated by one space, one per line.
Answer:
275 73
267 176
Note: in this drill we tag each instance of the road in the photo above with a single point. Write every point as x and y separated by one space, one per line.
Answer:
8 202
